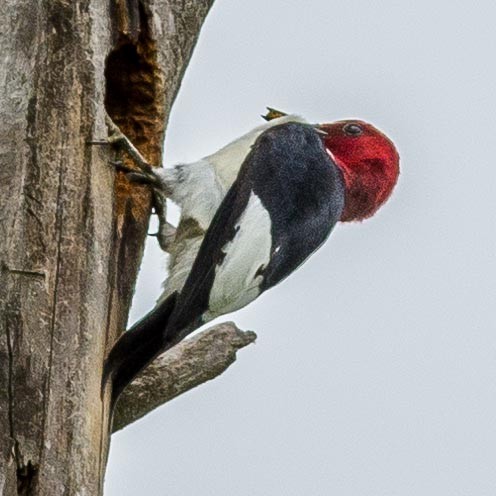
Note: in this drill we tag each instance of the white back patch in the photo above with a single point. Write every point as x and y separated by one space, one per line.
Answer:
236 281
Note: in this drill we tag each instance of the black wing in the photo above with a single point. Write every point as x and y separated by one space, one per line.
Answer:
302 190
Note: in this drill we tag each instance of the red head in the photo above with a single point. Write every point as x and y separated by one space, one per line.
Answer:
369 162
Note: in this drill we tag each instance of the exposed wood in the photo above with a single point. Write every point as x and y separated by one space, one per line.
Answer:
71 236
189 364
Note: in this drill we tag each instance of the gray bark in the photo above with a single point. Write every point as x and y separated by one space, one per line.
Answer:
71 233
187 365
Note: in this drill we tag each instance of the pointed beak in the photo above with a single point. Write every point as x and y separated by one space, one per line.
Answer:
319 130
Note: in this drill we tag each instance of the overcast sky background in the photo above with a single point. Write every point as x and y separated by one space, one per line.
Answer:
374 373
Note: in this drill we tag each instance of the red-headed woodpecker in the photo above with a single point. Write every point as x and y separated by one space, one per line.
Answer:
261 206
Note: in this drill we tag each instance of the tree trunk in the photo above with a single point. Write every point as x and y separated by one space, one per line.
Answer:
71 232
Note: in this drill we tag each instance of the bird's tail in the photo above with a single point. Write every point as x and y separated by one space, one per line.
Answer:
137 347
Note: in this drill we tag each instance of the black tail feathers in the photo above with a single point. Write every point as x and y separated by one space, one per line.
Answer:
137 347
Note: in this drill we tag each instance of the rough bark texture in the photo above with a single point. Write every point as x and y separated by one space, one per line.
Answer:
71 235
187 365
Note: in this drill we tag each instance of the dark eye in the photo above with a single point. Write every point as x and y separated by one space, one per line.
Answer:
353 129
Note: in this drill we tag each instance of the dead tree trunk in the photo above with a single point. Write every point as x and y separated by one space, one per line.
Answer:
71 233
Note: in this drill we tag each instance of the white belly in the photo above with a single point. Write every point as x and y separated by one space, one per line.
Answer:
237 279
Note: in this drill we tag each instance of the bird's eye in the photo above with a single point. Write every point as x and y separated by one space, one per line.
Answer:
353 129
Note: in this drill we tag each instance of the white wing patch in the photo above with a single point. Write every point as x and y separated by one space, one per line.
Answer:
237 279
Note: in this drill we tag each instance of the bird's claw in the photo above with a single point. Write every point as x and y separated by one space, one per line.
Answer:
115 135
143 178
165 235
120 166
135 176
118 138
144 175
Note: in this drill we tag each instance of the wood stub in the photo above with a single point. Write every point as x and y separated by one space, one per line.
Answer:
185 366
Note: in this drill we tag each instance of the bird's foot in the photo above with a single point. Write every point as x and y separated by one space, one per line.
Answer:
117 137
145 174
138 176
166 233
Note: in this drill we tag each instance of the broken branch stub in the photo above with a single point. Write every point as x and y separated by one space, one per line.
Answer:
189 364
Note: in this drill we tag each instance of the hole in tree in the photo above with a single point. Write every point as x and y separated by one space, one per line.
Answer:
133 96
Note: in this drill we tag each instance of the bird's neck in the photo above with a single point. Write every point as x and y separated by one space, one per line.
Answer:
228 160
365 188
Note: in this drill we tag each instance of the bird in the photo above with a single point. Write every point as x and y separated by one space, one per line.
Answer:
253 212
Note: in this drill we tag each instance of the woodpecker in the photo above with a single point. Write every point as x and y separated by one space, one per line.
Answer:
257 209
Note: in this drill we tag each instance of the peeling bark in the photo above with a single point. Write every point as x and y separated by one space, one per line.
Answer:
71 234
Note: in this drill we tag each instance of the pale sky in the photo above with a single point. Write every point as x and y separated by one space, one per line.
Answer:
374 373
